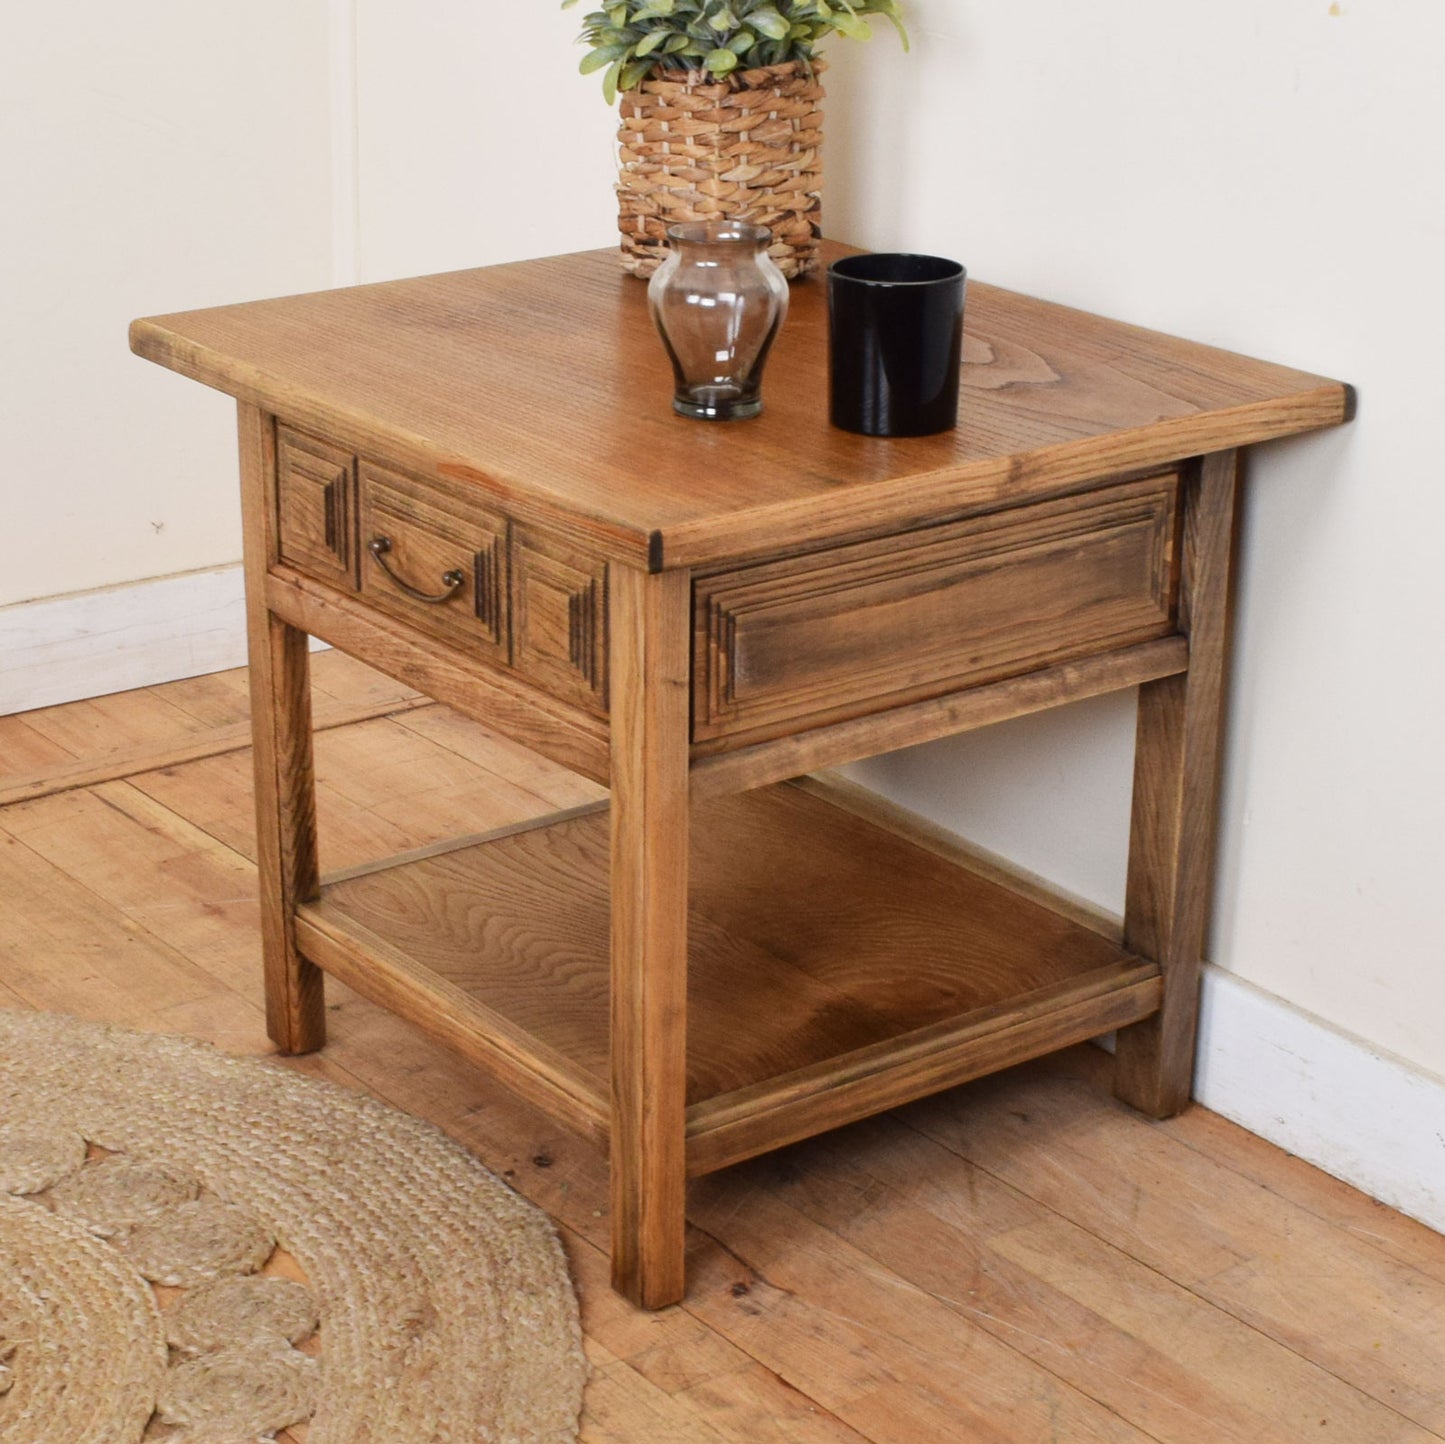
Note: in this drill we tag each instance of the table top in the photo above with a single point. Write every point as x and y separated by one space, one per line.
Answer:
544 384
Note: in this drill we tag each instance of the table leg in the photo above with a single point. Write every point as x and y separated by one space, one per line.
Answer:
280 675
1171 846
649 649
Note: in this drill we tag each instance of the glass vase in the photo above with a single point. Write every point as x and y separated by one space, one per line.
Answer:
718 301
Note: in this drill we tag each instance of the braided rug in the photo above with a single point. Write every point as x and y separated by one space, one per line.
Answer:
211 1250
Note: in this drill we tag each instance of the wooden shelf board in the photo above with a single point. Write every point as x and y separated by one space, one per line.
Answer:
857 1085
377 969
819 939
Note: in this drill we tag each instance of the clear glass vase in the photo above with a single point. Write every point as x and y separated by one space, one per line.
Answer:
718 301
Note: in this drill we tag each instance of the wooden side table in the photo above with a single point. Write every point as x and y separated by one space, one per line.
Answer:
474 483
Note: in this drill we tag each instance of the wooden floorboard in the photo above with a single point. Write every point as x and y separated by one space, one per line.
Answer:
161 727
1016 1261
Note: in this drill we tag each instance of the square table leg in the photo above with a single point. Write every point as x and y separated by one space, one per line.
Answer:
649 649
1176 767
280 676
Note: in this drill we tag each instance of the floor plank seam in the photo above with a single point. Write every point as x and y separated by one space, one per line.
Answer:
454 752
1379 1243
1255 1327
82 773
865 1304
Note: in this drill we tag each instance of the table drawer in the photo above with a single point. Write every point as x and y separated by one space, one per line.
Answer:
849 630
315 507
434 560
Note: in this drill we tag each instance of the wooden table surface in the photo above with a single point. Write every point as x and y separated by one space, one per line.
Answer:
545 385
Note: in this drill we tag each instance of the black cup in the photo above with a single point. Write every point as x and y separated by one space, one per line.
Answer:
895 335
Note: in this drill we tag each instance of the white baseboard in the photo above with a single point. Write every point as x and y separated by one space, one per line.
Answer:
1364 1116
89 644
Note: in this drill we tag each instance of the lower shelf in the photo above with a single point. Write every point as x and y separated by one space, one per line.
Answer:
837 966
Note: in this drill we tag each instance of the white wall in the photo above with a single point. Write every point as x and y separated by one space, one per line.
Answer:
156 155
1265 177
478 142
1261 176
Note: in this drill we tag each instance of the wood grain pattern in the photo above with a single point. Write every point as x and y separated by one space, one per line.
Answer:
433 534
559 607
1027 1276
99 724
315 508
841 792
873 964
460 844
648 885
806 640
474 376
716 773
1284 1271
26 750
557 730
725 1130
285 781
1016 1260
956 578
212 742
369 964
1171 839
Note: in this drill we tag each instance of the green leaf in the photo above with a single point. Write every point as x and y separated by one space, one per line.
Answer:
604 55
609 82
767 21
633 38
633 74
894 14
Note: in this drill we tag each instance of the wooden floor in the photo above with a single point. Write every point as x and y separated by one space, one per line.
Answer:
1018 1260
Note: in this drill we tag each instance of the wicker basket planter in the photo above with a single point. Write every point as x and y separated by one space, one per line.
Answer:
747 147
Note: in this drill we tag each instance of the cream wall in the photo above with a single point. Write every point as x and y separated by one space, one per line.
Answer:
1261 176
1265 177
154 155
468 156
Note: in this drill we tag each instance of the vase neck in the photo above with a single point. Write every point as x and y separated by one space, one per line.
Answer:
723 237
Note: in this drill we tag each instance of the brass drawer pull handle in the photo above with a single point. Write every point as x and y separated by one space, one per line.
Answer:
379 546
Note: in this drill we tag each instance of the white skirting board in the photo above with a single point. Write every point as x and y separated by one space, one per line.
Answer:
1330 1098
89 644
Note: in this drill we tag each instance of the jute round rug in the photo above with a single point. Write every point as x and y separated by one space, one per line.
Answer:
156 1194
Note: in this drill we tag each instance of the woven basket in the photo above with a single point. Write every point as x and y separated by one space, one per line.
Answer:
747 147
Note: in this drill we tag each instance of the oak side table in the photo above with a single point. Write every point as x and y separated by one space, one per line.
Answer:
475 483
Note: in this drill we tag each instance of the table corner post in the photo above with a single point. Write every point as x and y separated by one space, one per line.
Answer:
1173 821
650 646
280 674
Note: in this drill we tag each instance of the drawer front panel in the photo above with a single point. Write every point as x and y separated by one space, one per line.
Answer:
434 560
315 508
854 629
559 619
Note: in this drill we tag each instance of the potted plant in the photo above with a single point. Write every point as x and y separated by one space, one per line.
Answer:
721 114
